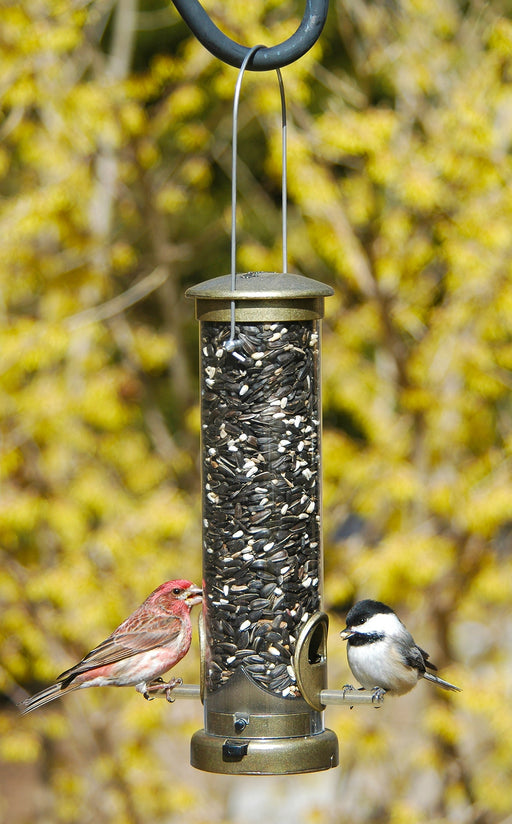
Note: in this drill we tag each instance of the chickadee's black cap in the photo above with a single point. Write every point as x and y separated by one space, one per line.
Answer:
365 609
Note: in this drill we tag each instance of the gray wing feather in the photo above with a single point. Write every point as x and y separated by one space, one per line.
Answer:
412 655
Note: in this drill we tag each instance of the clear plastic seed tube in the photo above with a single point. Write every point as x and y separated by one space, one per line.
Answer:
261 498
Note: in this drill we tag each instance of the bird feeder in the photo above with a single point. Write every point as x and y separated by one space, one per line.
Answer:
263 636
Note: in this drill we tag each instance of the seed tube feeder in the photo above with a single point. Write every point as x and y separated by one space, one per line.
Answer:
263 636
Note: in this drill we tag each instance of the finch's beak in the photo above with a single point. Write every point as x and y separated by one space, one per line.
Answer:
346 633
194 595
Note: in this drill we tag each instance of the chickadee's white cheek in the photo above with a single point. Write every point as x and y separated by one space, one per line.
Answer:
383 622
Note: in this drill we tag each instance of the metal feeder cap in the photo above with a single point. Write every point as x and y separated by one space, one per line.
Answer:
266 296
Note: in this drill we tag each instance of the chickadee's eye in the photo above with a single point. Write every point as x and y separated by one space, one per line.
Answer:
361 621
176 591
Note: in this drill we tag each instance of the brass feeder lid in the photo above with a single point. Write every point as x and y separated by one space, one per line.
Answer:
260 296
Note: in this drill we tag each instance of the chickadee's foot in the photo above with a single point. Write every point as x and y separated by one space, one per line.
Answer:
347 688
158 685
377 696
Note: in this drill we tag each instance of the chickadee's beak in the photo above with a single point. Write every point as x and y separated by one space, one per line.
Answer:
346 633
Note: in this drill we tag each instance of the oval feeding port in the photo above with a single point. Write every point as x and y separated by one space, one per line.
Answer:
310 659
316 647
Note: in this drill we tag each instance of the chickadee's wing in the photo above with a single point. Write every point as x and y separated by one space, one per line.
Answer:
426 656
412 657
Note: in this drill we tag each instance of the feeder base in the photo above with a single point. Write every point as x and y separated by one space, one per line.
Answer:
263 756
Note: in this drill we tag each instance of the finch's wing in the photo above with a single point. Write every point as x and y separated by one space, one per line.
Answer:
127 641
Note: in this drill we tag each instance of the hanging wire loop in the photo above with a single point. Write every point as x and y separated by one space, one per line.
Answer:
249 57
234 54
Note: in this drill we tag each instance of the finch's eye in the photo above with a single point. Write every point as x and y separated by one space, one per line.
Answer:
177 591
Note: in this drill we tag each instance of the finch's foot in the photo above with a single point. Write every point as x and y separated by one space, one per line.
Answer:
378 695
143 688
158 685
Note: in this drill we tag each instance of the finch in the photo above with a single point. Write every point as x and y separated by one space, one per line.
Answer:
148 643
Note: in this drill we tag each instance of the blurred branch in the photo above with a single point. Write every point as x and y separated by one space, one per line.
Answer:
121 302
172 303
154 420
123 39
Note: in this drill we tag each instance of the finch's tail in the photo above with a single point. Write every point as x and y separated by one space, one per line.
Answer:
44 697
440 683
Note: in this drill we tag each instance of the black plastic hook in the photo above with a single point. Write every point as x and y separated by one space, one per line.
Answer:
264 59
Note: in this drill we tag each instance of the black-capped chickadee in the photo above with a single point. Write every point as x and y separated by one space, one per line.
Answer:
382 653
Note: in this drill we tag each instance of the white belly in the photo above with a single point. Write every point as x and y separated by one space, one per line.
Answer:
375 665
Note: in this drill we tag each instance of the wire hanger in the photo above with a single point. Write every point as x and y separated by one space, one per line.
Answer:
257 58
231 343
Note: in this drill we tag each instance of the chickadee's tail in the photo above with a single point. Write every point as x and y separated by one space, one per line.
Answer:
44 697
440 683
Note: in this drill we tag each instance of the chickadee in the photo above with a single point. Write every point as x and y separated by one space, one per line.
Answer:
381 652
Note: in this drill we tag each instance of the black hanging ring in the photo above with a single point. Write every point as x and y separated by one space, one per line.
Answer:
265 59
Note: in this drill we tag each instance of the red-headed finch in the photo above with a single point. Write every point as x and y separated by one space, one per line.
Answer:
151 641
